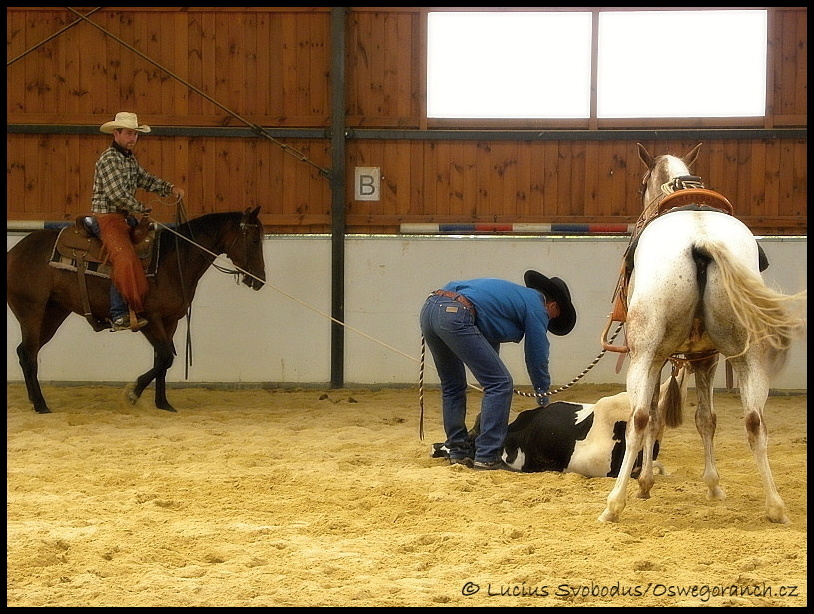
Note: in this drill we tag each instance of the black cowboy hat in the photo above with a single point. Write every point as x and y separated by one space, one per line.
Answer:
554 290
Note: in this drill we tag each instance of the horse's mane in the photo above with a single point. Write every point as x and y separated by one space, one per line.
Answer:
204 226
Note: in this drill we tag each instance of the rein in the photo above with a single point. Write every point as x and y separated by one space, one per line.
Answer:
180 218
653 208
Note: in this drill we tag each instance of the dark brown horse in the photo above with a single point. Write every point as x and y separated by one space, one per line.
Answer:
42 297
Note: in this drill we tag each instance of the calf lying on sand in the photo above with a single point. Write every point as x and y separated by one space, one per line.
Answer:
584 438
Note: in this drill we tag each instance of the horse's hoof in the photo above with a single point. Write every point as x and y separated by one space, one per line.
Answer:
716 494
129 394
607 516
777 513
167 407
42 410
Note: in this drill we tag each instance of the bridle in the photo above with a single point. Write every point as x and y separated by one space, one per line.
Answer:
244 234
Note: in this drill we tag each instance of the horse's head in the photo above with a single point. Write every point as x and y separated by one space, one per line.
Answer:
663 175
245 249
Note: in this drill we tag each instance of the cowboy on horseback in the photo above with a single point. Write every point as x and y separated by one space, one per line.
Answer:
116 178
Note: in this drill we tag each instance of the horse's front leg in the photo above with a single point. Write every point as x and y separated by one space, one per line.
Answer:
165 361
163 356
706 422
654 424
640 385
617 498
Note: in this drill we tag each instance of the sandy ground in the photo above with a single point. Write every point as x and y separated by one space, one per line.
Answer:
328 498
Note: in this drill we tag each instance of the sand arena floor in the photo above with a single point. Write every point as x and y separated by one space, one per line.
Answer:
328 498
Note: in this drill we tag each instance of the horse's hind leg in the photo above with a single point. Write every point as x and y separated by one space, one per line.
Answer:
706 422
33 338
28 363
754 389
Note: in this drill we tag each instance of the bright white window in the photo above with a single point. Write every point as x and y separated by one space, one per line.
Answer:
488 65
650 64
682 64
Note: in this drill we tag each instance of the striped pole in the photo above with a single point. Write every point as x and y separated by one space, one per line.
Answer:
25 225
30 225
567 229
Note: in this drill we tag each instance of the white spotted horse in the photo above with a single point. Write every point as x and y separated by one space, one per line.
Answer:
695 292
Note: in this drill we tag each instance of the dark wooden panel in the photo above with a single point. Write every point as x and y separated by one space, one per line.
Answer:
270 66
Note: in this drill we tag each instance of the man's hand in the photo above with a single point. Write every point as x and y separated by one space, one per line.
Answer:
179 192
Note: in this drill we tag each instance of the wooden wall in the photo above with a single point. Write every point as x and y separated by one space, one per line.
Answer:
201 75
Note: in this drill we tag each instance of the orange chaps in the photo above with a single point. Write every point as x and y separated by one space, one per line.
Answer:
127 274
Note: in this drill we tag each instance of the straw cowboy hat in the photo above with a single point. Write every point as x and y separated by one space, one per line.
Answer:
124 120
555 290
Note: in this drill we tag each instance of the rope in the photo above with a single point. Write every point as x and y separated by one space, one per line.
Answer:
293 298
255 128
685 182
53 36
421 391
180 218
421 360
577 378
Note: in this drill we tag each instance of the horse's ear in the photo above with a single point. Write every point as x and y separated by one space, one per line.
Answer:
645 157
250 213
690 157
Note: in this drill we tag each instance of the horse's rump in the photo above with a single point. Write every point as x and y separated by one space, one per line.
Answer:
712 260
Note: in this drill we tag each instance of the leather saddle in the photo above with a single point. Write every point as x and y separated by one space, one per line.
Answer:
80 241
78 248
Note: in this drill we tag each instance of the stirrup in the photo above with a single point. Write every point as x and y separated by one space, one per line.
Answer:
622 349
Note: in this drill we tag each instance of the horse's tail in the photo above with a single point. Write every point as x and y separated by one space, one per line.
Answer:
674 397
767 315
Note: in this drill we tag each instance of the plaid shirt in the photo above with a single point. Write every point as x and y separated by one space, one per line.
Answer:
116 178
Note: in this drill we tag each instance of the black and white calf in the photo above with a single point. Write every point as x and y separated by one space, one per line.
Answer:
584 438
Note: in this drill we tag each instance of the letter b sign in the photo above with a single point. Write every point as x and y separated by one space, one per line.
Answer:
366 183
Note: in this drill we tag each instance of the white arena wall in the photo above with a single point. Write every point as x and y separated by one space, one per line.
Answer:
280 335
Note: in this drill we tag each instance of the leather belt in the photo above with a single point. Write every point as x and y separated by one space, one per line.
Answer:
457 297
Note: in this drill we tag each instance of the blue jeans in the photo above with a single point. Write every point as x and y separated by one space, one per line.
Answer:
455 343
118 306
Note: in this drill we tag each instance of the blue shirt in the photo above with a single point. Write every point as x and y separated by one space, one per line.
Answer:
507 311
